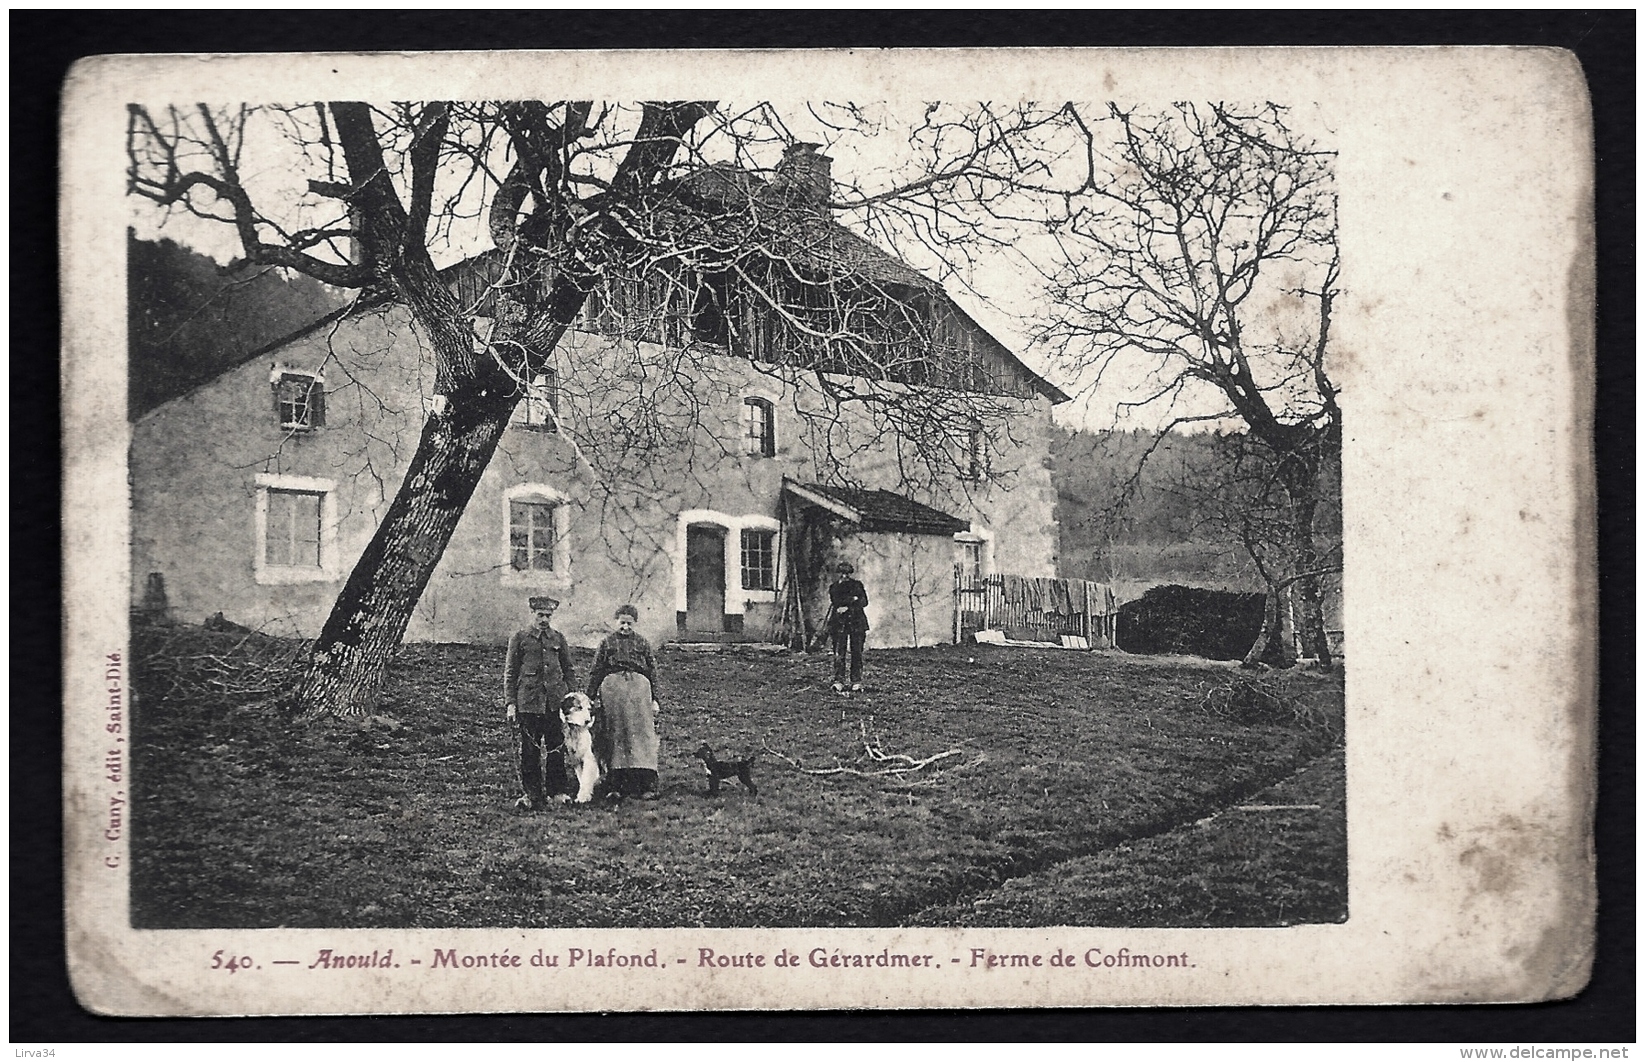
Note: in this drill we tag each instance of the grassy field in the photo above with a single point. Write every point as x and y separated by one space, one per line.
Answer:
1278 859
1061 759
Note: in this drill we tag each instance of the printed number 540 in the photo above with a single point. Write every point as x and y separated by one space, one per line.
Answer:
232 963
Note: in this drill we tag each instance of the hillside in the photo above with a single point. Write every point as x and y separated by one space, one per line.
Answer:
189 318
1136 523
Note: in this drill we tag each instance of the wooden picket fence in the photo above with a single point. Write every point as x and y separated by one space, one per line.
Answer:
1034 609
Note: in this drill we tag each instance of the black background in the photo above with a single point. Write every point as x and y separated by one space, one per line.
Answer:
44 44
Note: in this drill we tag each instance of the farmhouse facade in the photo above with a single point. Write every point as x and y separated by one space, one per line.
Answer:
685 450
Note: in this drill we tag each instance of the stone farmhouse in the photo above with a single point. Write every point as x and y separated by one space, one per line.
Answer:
693 449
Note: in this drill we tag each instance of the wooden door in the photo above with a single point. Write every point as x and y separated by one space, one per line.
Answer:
705 579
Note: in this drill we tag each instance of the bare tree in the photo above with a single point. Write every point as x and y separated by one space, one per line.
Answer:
1200 246
1194 247
1239 497
393 161
616 207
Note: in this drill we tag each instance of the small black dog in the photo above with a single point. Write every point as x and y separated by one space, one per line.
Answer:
718 768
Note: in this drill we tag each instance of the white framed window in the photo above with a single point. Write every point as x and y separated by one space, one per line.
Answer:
759 558
531 537
759 427
299 398
296 530
536 535
541 405
974 555
292 538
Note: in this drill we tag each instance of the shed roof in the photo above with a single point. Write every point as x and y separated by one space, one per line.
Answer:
877 510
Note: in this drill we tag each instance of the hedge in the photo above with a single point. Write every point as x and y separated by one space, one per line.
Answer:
1217 624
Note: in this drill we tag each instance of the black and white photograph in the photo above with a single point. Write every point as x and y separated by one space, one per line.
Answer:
494 412
563 520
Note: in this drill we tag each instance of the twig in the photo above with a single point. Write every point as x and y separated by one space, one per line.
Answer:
889 772
896 765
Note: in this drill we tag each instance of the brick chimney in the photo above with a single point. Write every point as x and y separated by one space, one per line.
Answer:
808 173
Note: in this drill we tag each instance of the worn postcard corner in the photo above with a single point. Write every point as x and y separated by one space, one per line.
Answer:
759 551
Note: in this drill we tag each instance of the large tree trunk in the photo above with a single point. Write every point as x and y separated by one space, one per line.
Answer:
1310 610
369 617
1277 638
346 664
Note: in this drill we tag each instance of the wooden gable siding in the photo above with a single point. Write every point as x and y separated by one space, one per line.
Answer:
876 330
898 336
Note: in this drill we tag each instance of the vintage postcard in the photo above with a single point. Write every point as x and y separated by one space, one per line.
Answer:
836 529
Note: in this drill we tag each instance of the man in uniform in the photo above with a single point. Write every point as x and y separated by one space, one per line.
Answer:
536 676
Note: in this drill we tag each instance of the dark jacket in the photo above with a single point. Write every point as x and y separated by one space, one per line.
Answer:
846 601
623 652
538 671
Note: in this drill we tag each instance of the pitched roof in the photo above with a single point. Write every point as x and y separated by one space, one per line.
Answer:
361 303
744 209
742 202
878 510
737 203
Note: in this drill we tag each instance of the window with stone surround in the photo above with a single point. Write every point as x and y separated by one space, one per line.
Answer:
759 559
532 536
296 529
536 536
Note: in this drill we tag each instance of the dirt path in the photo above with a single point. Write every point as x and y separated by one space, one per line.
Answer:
1279 850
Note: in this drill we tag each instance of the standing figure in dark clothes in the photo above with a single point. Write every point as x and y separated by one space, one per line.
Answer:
847 625
536 675
624 682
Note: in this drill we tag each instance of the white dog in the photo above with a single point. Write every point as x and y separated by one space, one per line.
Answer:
577 725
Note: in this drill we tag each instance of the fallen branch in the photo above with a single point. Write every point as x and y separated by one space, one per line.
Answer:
888 772
897 764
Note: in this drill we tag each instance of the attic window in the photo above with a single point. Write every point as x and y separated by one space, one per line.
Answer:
709 320
759 559
976 453
759 428
541 403
299 400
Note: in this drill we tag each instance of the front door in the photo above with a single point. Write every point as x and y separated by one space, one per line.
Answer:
705 579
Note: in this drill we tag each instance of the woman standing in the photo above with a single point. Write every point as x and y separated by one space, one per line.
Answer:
624 682
848 625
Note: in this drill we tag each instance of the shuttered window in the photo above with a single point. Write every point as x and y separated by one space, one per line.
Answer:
299 401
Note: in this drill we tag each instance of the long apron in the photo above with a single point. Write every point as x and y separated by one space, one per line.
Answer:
630 722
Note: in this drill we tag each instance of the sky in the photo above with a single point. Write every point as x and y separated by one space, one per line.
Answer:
1001 287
